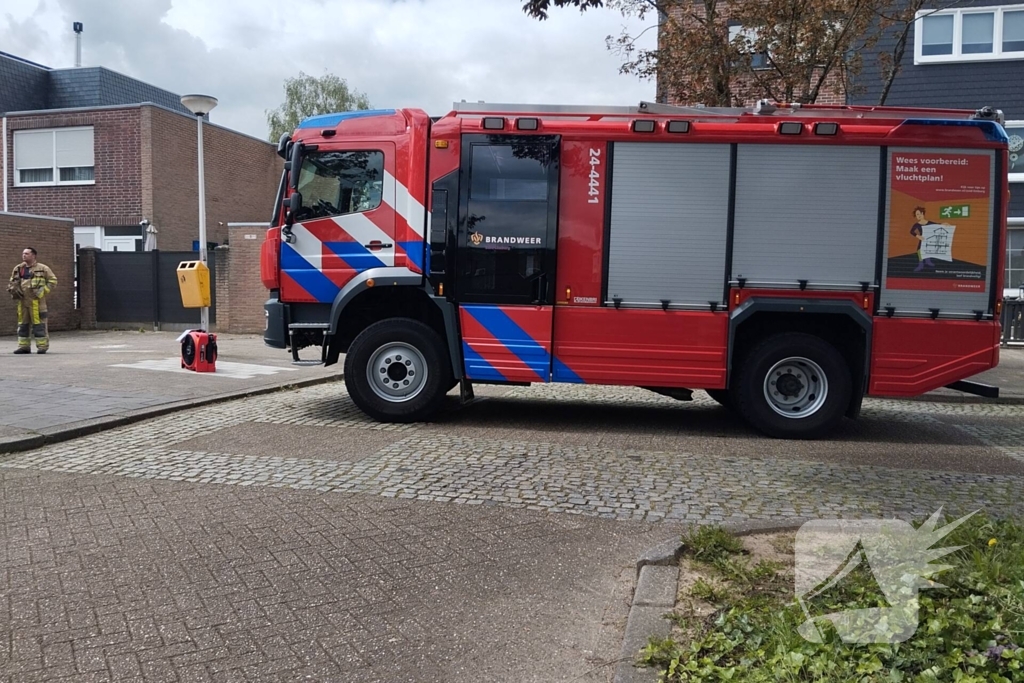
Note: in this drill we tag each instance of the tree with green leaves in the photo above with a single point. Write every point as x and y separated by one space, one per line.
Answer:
729 52
306 96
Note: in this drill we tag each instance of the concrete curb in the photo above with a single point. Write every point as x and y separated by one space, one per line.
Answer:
655 595
962 398
75 430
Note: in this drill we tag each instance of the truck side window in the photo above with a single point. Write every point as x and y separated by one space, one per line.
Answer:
506 235
338 183
503 173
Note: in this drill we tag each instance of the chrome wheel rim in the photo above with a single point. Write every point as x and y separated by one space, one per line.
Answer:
796 387
397 372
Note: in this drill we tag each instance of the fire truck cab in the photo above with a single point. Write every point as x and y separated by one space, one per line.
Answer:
788 260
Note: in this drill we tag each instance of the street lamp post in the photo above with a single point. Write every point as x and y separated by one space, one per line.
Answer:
200 105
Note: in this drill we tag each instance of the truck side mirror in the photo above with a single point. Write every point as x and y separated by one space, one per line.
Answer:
282 145
296 166
294 204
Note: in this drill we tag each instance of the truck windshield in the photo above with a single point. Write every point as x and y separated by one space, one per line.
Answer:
338 183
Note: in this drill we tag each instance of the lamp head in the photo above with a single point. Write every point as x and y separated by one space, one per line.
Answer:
199 104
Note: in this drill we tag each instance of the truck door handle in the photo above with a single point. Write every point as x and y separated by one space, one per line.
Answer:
540 288
377 244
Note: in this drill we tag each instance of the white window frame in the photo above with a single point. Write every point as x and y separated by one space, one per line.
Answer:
1014 225
56 171
997 54
749 35
1015 177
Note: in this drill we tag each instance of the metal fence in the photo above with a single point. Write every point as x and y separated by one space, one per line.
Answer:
139 287
1013 321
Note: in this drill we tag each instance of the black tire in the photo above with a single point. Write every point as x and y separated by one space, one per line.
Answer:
722 397
391 339
799 353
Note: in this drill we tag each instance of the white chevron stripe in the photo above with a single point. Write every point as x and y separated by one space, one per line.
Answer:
406 206
363 231
308 246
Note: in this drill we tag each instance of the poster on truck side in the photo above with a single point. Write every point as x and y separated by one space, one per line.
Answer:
940 219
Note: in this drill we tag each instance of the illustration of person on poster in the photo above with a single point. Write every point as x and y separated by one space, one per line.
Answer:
918 231
949 196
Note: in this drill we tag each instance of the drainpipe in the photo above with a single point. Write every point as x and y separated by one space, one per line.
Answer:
5 162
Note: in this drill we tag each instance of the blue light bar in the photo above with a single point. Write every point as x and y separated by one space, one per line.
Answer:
331 120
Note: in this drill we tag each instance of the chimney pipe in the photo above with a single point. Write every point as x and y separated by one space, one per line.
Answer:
77 26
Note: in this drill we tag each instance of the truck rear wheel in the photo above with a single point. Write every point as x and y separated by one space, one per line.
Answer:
397 370
793 386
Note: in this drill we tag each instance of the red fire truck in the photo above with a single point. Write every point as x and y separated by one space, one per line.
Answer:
788 260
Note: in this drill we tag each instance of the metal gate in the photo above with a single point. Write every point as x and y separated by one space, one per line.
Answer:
1013 321
142 287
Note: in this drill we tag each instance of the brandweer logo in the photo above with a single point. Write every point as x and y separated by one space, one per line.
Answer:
897 555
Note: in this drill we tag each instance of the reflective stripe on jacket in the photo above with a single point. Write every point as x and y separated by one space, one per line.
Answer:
39 277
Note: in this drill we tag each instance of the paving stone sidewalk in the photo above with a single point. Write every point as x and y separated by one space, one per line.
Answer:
90 378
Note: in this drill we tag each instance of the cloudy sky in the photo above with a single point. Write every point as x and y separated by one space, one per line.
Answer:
414 53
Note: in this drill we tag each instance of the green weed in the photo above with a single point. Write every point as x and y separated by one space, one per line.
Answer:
971 627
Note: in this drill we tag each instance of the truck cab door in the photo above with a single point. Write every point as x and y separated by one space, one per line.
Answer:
505 260
347 221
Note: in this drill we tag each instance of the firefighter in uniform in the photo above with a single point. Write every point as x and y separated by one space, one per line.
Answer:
30 282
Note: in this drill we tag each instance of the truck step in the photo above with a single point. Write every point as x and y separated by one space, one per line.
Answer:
307 363
309 326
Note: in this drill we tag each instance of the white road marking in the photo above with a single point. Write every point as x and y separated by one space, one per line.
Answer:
110 346
225 369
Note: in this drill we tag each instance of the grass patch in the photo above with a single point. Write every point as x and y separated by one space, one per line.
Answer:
971 629
710 543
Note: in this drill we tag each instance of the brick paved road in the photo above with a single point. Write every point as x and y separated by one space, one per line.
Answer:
287 537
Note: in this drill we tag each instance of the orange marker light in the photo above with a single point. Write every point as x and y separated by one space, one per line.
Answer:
440 289
370 282
441 144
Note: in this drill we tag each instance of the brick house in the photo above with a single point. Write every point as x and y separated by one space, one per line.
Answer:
110 151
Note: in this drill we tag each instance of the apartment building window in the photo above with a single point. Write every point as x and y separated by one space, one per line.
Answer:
1014 259
969 34
758 60
59 156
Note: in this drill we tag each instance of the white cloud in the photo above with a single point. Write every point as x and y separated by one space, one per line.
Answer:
402 53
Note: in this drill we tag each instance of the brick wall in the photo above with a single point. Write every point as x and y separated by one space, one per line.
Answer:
222 288
53 238
115 198
242 175
240 292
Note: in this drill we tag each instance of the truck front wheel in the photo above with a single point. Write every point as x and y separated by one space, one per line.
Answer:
397 370
793 386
